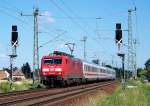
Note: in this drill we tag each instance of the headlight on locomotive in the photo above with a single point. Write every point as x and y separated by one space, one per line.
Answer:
45 69
58 69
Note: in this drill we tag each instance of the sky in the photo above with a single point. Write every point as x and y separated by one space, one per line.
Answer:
67 21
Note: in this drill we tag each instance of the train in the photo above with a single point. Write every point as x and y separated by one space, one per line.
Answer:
60 68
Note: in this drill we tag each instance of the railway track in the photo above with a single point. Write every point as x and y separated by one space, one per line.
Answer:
16 93
52 96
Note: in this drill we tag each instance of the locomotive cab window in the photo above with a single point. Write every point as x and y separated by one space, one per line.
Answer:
48 61
53 61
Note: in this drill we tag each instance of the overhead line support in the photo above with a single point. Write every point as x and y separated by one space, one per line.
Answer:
36 73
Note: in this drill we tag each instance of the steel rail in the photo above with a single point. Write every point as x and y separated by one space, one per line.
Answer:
43 98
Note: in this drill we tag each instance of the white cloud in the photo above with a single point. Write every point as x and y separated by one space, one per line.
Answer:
47 18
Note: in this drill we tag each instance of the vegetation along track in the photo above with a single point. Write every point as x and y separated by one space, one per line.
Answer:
52 96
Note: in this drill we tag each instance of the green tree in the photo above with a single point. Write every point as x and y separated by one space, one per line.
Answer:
147 66
138 71
143 73
26 70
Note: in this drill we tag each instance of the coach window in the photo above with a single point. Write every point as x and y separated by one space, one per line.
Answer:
95 69
88 68
84 68
107 71
103 71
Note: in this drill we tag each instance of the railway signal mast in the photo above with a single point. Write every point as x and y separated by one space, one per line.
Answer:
118 33
14 44
118 39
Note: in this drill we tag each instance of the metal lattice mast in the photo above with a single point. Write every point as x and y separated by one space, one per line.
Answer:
84 41
130 43
135 58
35 45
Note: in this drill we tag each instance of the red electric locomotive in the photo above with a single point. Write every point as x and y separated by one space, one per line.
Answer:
60 68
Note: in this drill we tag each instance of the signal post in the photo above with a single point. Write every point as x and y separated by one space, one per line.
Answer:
118 39
14 44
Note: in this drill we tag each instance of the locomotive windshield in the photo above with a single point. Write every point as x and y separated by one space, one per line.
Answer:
53 61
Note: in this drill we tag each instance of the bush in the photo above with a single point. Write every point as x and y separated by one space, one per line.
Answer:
37 85
5 87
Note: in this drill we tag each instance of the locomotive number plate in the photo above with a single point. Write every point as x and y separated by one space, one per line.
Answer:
51 69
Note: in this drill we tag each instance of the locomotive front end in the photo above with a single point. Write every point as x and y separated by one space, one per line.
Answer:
51 66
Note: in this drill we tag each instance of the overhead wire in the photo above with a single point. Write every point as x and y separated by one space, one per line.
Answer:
75 22
65 13
12 16
82 22
8 10
76 15
85 24
17 10
51 40
68 16
11 7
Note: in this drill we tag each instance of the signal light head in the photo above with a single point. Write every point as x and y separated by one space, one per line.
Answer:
118 26
14 38
14 27
14 35
118 33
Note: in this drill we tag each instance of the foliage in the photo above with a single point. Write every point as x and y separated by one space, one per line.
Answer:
5 87
138 72
15 86
143 73
147 66
37 84
137 96
26 70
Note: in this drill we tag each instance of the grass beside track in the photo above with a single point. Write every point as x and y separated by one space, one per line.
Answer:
138 95
16 86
